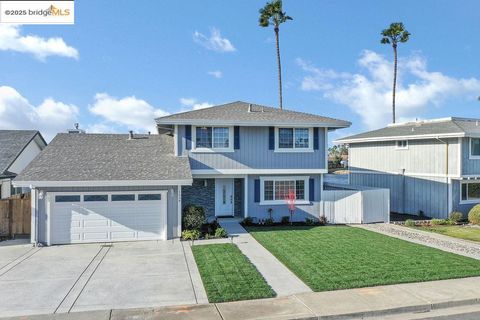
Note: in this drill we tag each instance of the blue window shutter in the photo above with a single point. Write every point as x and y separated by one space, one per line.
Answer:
188 137
311 189
257 190
236 137
315 138
271 138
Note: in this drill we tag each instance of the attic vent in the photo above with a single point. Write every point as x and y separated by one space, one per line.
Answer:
76 130
249 107
130 135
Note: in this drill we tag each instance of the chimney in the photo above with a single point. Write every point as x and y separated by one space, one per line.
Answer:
130 135
249 107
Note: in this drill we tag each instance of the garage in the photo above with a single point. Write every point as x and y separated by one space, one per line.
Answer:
106 217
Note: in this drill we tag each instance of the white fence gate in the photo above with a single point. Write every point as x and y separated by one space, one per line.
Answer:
357 204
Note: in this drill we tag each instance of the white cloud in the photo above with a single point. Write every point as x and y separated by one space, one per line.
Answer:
41 48
194 104
214 42
130 112
369 93
50 117
216 74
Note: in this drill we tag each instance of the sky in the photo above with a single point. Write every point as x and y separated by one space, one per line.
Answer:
123 63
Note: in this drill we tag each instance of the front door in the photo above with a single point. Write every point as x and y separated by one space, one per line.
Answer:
224 197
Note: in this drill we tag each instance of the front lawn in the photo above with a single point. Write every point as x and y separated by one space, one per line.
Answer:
341 257
462 232
228 275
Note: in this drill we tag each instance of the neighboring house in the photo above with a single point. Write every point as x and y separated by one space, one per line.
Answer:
236 159
430 167
17 149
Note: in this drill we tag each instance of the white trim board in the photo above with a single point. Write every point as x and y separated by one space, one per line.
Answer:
201 122
393 138
103 183
409 174
257 171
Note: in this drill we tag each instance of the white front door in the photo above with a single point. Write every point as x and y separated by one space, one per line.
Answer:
224 197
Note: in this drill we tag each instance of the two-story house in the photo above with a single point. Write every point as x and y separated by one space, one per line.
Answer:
431 167
237 159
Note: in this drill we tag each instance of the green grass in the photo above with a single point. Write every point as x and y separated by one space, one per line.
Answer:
228 275
340 257
462 232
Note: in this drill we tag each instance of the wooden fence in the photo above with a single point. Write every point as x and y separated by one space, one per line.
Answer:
347 204
15 216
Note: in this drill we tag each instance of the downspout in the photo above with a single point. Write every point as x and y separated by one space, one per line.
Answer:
35 240
446 172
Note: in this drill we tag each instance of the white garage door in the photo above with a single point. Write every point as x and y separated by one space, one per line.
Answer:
107 217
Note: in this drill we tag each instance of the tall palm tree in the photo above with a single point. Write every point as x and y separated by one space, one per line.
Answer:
393 35
272 14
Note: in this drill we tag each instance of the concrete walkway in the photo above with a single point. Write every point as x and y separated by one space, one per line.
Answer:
279 277
430 239
380 302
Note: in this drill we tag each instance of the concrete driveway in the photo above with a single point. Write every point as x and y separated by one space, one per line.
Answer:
73 278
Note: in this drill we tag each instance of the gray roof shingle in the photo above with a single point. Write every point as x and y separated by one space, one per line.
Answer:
107 157
447 127
237 113
12 143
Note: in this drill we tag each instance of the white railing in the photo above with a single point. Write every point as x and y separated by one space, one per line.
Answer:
355 204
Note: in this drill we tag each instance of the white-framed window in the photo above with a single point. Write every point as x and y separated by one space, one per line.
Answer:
290 139
212 139
474 148
275 190
470 192
401 145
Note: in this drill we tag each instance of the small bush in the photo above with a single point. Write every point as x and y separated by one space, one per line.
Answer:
248 221
285 220
193 217
268 222
438 222
474 215
421 213
190 234
456 216
220 233
410 223
309 221
322 220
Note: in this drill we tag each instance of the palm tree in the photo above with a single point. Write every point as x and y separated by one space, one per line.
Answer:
393 35
272 14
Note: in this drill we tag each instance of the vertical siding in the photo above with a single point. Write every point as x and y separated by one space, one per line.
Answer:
422 157
254 154
258 211
456 198
410 194
469 166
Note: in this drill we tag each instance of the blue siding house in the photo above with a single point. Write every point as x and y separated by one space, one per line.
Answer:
431 167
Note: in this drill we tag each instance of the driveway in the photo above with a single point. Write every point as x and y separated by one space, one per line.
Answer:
84 277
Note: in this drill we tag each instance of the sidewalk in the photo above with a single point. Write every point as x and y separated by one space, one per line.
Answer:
279 277
342 304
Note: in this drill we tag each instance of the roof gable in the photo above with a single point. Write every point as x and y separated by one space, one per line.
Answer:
12 143
248 114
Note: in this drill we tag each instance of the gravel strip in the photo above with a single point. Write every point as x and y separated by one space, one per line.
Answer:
445 243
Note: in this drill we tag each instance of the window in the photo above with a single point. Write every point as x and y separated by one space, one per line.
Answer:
471 191
402 144
123 197
277 189
67 198
294 139
95 197
475 147
149 197
213 138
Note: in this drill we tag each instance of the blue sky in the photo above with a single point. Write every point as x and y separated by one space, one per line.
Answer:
125 62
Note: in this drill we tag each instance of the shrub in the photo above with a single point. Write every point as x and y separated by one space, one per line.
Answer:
309 221
190 234
268 222
456 216
474 215
438 222
421 213
220 233
248 221
322 220
193 217
285 220
410 223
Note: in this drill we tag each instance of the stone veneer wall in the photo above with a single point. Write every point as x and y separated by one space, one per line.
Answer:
201 195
